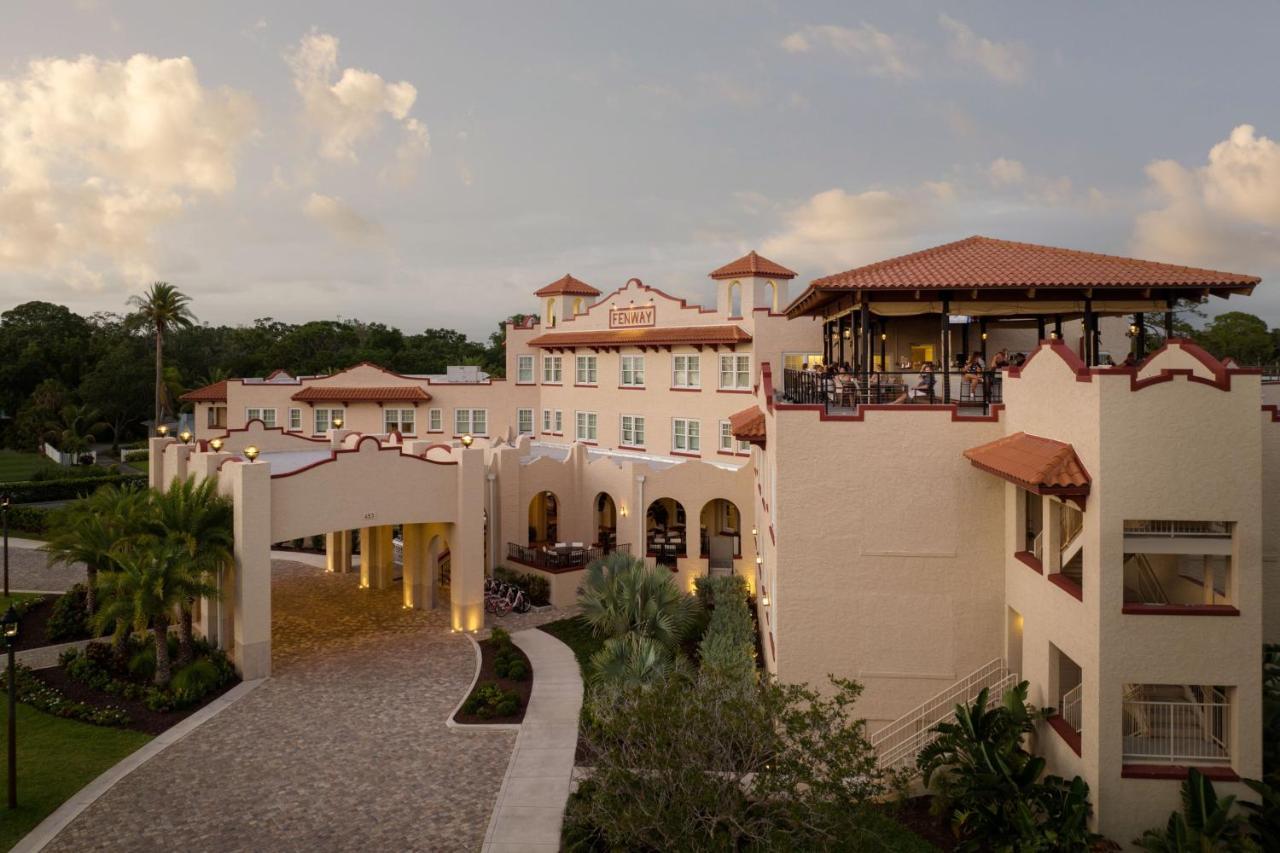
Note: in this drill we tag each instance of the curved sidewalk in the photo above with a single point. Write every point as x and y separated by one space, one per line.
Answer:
530 808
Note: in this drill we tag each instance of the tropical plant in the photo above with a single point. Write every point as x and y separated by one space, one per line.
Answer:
150 583
1264 815
991 786
620 596
1206 823
727 648
75 429
1271 712
635 661
92 531
161 310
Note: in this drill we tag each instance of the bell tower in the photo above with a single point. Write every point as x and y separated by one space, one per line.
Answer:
564 299
752 283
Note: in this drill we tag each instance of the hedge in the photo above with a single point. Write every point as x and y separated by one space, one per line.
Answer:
728 647
70 488
535 587
28 519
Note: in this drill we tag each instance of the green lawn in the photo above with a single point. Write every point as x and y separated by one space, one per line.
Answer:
15 465
575 634
56 758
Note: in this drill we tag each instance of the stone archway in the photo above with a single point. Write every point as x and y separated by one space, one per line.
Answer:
544 518
606 521
720 534
666 531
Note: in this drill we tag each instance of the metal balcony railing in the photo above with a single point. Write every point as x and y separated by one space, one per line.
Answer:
1211 529
1071 707
1187 732
810 387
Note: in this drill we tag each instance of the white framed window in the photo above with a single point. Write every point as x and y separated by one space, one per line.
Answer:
524 369
295 420
726 437
402 420
524 421
435 420
633 430
324 418
686 371
586 370
632 371
735 371
551 369
546 420
586 426
474 421
559 422
686 435
267 416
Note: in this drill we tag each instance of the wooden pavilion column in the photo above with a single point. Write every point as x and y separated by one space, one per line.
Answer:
840 328
1057 326
1140 340
1168 320
865 319
946 350
982 341
1087 330
1040 328
883 325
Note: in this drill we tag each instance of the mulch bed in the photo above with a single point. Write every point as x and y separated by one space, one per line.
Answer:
914 815
488 657
141 718
31 627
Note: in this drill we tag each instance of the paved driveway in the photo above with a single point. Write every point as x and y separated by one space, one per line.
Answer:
345 748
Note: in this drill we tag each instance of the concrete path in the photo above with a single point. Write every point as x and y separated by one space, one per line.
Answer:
530 808
44 657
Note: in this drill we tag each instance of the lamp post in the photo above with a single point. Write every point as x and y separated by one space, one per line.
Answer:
337 423
216 444
9 622
467 440
162 430
185 435
251 453
5 502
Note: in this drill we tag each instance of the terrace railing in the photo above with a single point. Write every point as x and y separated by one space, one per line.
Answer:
1071 707
559 559
1208 529
808 387
1177 732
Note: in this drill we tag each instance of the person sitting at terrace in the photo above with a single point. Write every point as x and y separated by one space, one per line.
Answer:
972 373
1000 359
1130 360
845 385
923 388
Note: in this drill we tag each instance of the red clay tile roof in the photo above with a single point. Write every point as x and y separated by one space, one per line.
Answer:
215 393
1037 464
643 337
412 393
748 425
569 285
752 264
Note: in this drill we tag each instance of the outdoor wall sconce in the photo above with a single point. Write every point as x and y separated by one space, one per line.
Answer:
216 444
764 599
467 440
162 430
759 560
984 336
337 423
622 511
185 435
884 336
755 532
848 333
251 452
1053 336
1133 330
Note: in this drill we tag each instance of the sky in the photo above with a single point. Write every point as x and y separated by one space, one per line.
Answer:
431 164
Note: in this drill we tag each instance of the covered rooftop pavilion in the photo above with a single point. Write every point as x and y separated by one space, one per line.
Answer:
984 282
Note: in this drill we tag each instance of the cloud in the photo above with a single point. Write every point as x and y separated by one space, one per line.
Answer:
340 219
348 109
1003 61
95 155
1004 172
836 229
1225 213
881 54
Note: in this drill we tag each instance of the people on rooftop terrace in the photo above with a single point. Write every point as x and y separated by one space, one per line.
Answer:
923 388
972 373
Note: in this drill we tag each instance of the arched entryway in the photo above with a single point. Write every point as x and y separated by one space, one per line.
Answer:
544 512
720 533
666 535
606 512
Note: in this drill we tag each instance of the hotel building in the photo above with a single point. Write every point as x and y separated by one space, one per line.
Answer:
1097 530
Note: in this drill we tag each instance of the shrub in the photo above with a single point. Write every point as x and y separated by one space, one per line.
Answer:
66 488
508 662
34 692
536 588
69 619
1205 822
195 681
490 700
501 638
29 519
728 647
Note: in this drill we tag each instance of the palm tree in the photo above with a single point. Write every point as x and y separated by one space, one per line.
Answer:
93 530
76 428
197 519
160 310
634 661
148 586
620 595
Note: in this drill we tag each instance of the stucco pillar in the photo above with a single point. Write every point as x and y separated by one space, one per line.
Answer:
155 460
368 555
466 545
250 587
635 525
415 565
1051 518
383 569
337 552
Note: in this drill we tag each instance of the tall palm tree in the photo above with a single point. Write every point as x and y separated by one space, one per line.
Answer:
93 530
197 519
160 310
146 589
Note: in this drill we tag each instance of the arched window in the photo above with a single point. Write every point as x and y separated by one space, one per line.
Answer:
606 512
773 296
735 299
577 305
544 518
666 535
550 318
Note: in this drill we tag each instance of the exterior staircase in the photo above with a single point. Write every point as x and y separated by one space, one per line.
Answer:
899 742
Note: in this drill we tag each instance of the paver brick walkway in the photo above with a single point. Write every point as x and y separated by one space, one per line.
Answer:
29 570
344 748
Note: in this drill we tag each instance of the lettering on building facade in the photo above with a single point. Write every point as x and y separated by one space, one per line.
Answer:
633 317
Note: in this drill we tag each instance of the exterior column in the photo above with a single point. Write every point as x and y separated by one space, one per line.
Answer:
1140 341
1051 518
1207 574
249 584
333 551
946 350
175 463
467 544
155 460
384 569
1090 353
415 565
368 555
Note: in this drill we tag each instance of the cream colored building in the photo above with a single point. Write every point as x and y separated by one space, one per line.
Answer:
1097 530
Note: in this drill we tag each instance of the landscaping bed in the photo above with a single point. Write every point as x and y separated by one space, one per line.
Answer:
914 814
37 616
498 663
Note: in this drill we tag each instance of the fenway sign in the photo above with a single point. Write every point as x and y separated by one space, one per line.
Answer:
632 317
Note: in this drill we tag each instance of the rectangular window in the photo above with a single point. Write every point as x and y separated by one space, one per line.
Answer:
685 371
726 437
324 419
267 416
586 370
524 369
218 417
295 420
633 430
632 371
586 426
546 420
559 422
401 420
473 421
686 435
551 369
735 371
524 421
435 420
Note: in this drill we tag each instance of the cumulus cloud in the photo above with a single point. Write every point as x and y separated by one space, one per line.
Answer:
881 54
94 155
347 109
1224 213
1003 61
1004 172
837 229
344 222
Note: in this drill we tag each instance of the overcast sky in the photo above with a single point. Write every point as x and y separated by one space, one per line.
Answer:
432 164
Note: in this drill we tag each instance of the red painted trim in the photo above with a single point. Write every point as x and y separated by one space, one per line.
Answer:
1067 585
226 433
772 538
586 385
1275 412
953 408
1179 610
766 380
1221 371
1176 771
587 442
1064 730
682 304
1030 560
694 390
632 388
333 456
686 453
773 652
629 447
733 391
523 384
